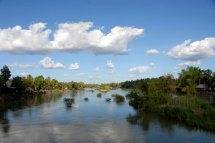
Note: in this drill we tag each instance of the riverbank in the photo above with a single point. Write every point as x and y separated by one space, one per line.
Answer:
186 109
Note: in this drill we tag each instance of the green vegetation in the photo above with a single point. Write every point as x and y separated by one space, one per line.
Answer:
69 101
150 94
187 109
187 82
38 84
118 98
192 76
99 95
108 87
4 77
158 95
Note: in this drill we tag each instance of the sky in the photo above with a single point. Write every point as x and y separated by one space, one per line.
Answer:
102 41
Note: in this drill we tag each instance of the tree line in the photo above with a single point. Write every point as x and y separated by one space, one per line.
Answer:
187 81
38 83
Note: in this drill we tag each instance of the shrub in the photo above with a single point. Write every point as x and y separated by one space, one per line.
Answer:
119 98
99 95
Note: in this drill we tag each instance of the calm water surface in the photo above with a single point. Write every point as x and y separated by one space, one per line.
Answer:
46 119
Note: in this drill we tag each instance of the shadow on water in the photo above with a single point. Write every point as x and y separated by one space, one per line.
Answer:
4 122
8 103
147 119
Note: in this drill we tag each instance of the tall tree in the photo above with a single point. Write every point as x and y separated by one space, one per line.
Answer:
5 75
29 81
19 83
189 78
39 83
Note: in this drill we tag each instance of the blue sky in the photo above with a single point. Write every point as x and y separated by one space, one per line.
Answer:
119 39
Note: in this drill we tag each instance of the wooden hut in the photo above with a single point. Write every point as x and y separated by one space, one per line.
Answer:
202 87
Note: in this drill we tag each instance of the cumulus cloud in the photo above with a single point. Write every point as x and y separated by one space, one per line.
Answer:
193 51
69 37
189 63
22 66
17 40
141 69
74 66
48 63
109 64
152 51
73 37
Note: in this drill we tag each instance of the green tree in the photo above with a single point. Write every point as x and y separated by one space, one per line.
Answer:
5 75
29 81
188 79
39 82
48 83
207 77
19 83
54 84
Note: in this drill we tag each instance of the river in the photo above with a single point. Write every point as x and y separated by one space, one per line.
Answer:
47 119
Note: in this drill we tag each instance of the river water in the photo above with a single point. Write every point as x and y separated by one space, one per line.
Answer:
47 119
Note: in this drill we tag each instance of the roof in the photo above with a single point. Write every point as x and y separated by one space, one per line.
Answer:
202 86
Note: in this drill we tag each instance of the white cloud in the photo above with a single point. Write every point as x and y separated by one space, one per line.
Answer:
152 51
22 66
25 74
17 40
97 69
141 69
74 37
109 64
189 63
193 50
48 63
69 37
74 66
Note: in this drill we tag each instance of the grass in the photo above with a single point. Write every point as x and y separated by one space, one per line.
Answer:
190 110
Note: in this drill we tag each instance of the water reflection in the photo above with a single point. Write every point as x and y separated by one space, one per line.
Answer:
147 119
47 118
15 104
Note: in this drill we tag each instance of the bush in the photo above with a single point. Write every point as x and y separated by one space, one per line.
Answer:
99 95
190 110
119 98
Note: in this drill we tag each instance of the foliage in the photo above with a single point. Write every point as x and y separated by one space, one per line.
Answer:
19 83
190 110
99 95
5 75
156 95
189 79
187 82
119 98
